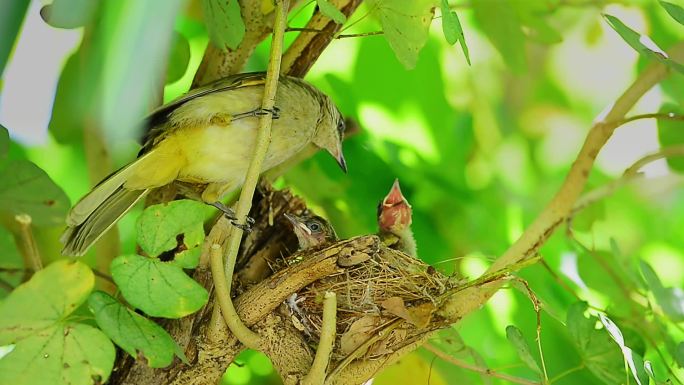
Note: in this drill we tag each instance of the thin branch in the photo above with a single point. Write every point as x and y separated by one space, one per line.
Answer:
478 369
657 115
263 139
630 175
31 254
536 303
326 343
563 202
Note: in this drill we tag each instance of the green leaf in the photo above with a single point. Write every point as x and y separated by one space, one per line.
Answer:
405 25
671 133
671 300
179 57
224 23
679 354
11 261
585 219
26 189
11 16
4 142
331 11
68 13
71 101
176 226
131 331
639 43
452 29
158 288
34 318
516 338
500 22
674 10
598 352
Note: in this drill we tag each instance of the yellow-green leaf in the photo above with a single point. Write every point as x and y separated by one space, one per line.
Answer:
671 133
452 29
405 25
331 11
224 23
47 348
516 338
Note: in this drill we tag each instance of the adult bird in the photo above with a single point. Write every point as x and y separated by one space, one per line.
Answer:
206 138
312 230
394 221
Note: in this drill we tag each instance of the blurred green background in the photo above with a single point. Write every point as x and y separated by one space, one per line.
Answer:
478 149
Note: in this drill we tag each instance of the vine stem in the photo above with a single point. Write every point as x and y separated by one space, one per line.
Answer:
263 139
316 375
32 258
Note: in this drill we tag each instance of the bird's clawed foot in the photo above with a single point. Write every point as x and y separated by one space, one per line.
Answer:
246 227
227 211
274 112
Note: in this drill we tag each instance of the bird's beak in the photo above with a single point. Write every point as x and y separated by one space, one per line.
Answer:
297 223
395 196
339 157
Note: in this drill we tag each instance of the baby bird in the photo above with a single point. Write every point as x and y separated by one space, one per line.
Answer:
312 230
394 222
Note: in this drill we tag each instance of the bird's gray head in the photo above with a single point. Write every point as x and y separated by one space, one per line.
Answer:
311 230
330 131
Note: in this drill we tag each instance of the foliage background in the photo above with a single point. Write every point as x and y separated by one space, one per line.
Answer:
478 149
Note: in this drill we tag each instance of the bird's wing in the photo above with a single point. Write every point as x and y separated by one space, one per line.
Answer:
156 119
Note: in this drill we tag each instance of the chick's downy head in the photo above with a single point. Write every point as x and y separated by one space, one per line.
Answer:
394 212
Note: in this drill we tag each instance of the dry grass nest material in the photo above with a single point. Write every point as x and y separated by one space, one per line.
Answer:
376 288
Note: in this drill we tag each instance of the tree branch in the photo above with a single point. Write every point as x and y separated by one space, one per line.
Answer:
562 203
326 343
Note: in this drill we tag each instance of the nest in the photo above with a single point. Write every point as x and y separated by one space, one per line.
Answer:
377 288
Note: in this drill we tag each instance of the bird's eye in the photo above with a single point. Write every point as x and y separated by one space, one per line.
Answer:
313 226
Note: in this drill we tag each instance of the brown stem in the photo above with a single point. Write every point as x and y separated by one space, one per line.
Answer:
29 248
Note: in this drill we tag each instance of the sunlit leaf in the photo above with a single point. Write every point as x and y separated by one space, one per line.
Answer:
179 57
452 29
34 318
670 299
224 23
405 26
516 338
134 333
26 189
674 10
133 41
175 226
500 22
642 43
68 13
158 288
11 16
598 351
671 133
411 369
331 11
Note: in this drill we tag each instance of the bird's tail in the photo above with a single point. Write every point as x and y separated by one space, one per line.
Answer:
99 210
